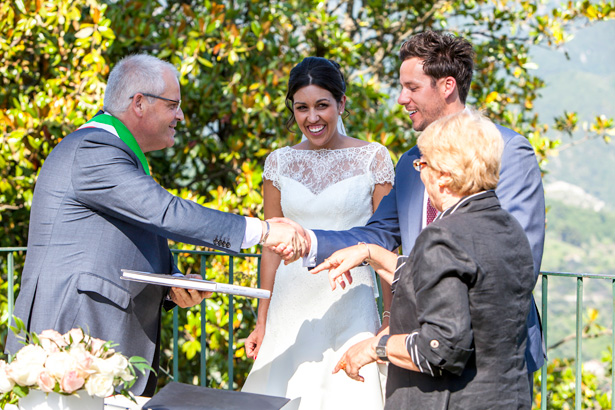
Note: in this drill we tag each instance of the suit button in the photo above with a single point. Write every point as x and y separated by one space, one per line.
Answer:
216 242
227 244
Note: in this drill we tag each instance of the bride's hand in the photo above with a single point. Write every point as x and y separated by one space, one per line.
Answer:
254 341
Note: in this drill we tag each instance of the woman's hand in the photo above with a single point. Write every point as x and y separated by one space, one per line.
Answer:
341 262
254 341
356 357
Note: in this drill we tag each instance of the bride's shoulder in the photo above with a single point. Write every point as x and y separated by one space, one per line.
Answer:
276 153
363 145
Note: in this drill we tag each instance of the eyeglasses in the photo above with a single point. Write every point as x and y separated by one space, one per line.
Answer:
419 165
178 102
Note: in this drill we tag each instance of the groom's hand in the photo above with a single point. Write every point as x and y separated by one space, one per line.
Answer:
288 240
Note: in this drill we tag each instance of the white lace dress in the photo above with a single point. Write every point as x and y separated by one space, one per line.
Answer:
309 326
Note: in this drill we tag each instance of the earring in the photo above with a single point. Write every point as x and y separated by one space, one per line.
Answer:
341 112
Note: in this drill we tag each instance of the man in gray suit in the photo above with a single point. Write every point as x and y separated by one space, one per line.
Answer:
97 210
435 76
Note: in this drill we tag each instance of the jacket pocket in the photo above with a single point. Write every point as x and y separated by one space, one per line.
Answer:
88 282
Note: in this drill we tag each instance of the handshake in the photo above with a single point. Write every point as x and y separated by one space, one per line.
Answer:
286 238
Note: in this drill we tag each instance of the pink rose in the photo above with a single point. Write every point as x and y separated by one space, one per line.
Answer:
82 359
46 382
96 346
51 340
71 381
76 335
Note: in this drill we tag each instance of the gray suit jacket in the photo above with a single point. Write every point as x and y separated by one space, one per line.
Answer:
398 219
94 212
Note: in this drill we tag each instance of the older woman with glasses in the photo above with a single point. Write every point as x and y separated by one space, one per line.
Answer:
457 330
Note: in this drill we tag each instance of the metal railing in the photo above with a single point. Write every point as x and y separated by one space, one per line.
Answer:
578 332
203 255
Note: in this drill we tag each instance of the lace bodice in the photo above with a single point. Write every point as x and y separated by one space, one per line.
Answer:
329 189
319 169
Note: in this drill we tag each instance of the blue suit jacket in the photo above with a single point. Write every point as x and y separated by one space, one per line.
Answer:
397 221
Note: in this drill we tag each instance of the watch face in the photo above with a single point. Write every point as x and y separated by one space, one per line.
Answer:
381 348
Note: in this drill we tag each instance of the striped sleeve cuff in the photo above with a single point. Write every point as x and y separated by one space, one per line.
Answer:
418 359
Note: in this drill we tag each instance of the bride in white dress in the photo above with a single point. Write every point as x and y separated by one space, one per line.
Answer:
328 181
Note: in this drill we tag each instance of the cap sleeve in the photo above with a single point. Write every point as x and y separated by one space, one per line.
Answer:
381 166
270 171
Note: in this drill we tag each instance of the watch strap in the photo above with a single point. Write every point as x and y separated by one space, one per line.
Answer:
381 348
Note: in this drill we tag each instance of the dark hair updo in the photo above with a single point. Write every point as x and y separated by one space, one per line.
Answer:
317 71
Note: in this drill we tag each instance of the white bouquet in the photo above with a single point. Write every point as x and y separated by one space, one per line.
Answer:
67 364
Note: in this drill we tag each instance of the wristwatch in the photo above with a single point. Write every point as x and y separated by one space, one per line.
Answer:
381 348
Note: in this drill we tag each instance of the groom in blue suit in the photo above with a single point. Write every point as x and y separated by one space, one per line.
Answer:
435 76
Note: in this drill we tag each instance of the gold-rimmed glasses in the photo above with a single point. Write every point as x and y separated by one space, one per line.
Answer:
418 164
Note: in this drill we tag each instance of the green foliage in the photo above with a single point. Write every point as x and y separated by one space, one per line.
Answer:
52 79
576 225
561 372
234 59
561 388
579 239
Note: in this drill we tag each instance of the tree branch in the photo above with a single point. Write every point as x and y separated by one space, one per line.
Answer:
584 336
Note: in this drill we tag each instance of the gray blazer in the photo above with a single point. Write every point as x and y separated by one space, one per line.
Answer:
94 212
398 219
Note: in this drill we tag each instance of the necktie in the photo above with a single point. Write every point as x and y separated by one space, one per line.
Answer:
431 212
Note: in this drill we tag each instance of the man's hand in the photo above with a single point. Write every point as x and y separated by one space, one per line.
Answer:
254 341
356 357
287 239
188 297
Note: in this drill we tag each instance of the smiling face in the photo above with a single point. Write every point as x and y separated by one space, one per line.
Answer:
424 101
316 112
160 117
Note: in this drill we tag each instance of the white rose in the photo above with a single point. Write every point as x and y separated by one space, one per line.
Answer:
6 383
113 366
100 366
99 385
119 363
31 354
126 376
28 364
60 363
